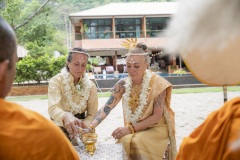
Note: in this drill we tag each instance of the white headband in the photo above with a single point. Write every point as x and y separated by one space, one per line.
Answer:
82 52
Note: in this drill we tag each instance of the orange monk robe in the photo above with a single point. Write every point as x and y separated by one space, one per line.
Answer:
213 140
25 135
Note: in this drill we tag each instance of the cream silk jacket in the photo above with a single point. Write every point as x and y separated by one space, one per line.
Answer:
57 101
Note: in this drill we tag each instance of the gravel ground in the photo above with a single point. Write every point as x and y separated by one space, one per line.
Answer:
190 111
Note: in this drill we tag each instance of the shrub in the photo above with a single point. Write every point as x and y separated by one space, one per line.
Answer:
40 69
180 71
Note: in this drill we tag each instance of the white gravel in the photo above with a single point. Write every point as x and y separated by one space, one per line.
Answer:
190 111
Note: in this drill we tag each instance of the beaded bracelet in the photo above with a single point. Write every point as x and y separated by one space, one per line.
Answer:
133 128
93 129
130 127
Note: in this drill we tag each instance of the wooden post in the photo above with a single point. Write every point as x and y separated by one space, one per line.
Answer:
144 27
115 57
113 27
224 93
180 61
116 68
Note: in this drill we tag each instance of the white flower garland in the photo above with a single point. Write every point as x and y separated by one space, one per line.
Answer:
133 117
83 89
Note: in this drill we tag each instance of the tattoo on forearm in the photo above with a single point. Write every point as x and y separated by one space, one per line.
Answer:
118 87
160 99
122 83
97 114
107 110
99 120
97 117
110 100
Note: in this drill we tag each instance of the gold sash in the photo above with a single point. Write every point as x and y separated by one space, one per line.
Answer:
156 86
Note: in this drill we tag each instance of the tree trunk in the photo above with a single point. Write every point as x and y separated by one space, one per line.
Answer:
32 16
66 28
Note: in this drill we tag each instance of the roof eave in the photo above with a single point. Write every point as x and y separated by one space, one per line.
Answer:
116 16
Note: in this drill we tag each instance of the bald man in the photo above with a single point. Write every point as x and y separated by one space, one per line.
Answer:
25 134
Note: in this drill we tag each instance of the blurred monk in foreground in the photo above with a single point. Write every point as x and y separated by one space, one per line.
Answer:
218 137
208 41
25 134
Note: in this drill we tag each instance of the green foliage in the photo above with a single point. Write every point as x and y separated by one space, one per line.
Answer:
41 68
10 10
57 64
55 47
89 67
41 34
180 71
94 61
34 50
25 70
45 33
31 69
39 31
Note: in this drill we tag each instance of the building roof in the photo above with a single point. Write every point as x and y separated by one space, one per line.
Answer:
130 9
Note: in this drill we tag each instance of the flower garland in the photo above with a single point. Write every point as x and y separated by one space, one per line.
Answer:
133 117
83 89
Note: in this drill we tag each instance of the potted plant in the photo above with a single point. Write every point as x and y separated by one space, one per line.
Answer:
85 31
148 33
180 72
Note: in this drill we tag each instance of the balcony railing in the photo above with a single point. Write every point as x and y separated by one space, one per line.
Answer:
98 35
155 33
128 34
119 34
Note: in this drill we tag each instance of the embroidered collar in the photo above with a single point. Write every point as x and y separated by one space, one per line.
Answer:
82 88
129 115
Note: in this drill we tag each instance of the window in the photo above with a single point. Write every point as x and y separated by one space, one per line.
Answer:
97 28
128 27
156 25
78 34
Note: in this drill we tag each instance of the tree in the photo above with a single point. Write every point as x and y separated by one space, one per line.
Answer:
12 9
39 10
43 26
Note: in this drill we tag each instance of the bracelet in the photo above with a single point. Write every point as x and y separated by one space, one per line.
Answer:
130 127
133 128
93 129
